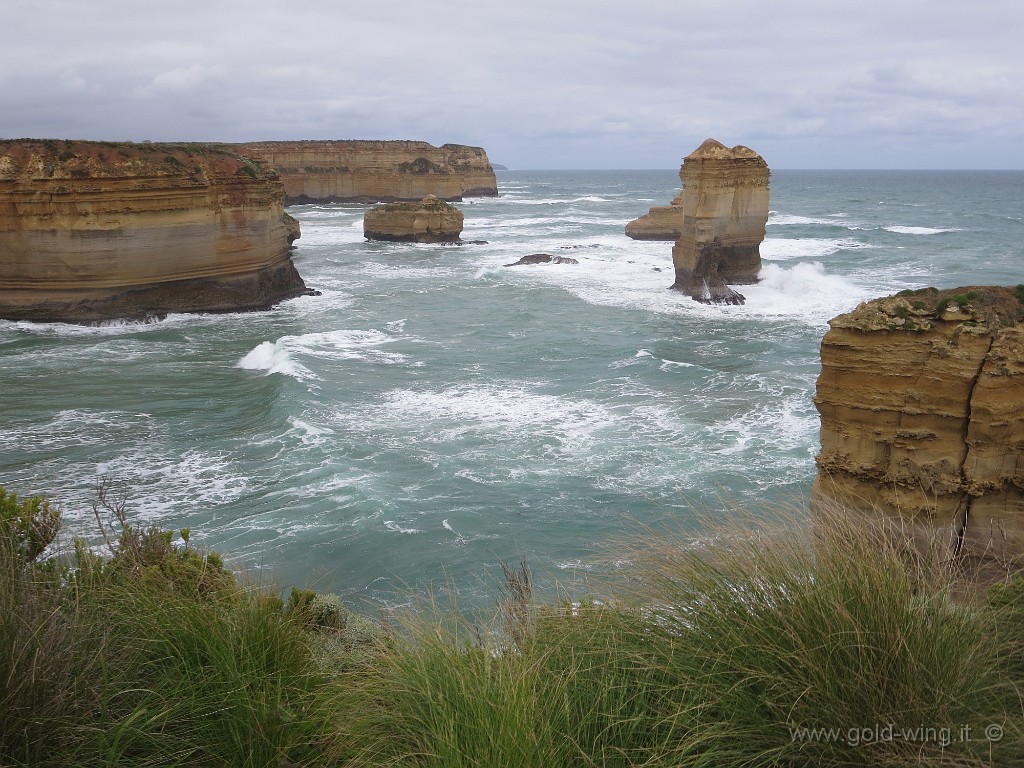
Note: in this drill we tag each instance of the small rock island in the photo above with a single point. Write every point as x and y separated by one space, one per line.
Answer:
430 220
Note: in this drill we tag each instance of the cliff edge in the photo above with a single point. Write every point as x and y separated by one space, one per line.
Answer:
96 230
921 397
376 171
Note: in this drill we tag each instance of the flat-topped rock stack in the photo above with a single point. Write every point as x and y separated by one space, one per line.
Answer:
921 398
376 171
428 221
724 205
97 230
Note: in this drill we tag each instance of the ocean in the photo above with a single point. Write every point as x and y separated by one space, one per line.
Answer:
433 412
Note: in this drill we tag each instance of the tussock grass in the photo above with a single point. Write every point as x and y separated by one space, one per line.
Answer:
762 643
156 655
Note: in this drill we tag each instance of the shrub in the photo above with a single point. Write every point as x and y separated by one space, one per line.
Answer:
153 655
29 525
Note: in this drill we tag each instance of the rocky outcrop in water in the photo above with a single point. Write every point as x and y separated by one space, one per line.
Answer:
91 231
724 204
921 398
428 221
542 258
376 171
663 222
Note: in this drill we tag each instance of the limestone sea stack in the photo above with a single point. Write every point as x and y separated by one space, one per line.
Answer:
724 205
376 171
921 398
428 221
92 231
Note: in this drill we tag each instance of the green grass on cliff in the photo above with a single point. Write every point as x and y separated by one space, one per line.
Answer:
761 644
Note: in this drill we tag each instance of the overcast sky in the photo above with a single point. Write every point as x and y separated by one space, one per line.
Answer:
537 83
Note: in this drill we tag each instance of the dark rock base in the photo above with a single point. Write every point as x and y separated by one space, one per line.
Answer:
253 291
715 267
423 237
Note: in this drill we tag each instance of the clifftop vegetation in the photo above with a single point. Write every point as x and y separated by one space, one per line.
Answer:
765 645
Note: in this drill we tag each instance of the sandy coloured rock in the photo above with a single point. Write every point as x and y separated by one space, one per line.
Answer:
98 230
921 398
724 204
428 221
662 222
376 171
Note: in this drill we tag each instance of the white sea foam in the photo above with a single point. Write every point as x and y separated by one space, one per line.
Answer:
503 417
274 357
391 525
310 434
111 327
72 428
279 356
806 291
637 278
781 249
921 230
783 219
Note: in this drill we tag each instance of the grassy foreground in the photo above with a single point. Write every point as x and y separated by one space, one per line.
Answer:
756 646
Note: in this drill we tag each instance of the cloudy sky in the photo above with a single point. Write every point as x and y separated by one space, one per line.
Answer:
537 83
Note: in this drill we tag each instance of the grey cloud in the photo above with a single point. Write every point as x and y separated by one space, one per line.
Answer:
577 83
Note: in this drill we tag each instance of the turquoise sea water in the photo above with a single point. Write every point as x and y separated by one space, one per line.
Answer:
434 412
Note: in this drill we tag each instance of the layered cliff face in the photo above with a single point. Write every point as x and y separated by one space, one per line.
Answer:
92 231
376 171
724 206
921 398
429 221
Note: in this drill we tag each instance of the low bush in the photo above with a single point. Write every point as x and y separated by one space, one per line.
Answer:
152 654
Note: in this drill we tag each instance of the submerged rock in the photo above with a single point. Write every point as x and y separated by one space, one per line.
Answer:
542 258
921 397
725 209
429 221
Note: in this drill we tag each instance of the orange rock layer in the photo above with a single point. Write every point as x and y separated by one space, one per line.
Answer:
92 231
921 398
376 171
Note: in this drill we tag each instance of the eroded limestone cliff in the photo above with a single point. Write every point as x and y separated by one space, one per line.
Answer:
724 206
376 171
92 231
921 398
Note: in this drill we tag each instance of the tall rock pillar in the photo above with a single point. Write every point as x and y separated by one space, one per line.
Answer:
724 205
